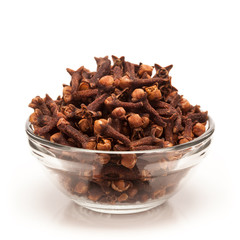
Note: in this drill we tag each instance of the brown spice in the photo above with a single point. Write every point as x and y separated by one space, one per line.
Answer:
67 94
145 69
85 124
59 138
185 105
120 186
198 129
121 108
138 94
81 188
129 160
152 112
104 144
113 102
80 139
123 197
153 93
106 81
132 191
119 113
39 103
135 121
102 127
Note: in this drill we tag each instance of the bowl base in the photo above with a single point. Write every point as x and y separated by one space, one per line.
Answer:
120 209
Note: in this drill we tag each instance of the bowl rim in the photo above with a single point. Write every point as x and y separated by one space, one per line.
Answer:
207 134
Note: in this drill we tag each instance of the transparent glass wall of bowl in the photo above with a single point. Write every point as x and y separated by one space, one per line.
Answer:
99 180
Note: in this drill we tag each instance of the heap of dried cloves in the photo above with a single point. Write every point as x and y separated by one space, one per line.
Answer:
121 107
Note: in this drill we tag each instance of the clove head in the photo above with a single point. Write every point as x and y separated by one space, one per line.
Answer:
104 144
138 94
106 81
99 126
153 93
185 105
119 113
135 121
125 82
145 69
198 129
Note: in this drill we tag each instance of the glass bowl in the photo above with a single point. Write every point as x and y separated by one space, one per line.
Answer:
119 181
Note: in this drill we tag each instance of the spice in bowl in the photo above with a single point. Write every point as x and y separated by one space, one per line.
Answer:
130 117
120 107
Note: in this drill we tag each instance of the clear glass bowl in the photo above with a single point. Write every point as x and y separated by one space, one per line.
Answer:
100 180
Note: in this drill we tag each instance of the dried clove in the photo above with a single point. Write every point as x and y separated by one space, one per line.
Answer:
102 127
198 129
39 103
145 69
81 139
59 138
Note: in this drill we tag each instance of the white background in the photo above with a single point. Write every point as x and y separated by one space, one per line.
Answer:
39 39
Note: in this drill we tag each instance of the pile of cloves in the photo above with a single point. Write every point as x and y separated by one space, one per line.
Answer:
120 107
